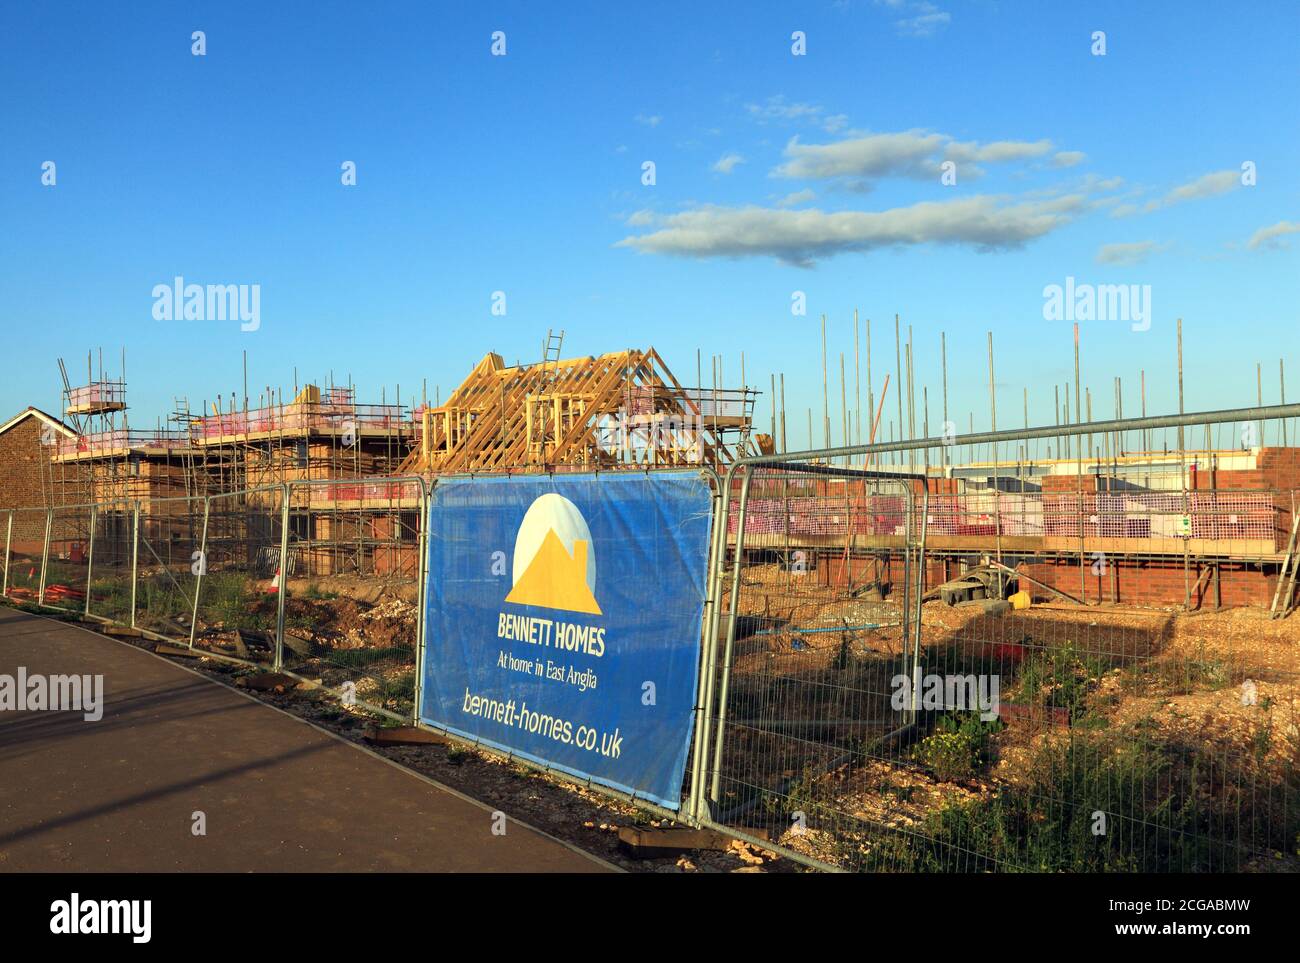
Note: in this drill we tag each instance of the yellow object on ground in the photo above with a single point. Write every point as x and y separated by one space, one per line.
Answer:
1020 600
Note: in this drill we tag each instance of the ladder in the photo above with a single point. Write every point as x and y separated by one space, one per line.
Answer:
551 347
1286 576
550 376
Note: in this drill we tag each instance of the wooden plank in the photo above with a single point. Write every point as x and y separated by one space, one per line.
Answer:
650 842
404 736
166 648
267 682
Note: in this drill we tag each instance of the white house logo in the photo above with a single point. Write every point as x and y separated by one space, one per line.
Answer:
554 561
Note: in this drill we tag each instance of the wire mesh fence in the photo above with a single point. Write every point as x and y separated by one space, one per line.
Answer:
1123 741
66 570
109 593
168 560
352 600
1038 733
855 713
818 606
25 553
238 573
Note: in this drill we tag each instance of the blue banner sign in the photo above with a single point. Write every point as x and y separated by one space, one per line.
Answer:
564 621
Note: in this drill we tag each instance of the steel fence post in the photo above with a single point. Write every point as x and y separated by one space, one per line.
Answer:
135 558
716 780
913 610
284 576
9 537
203 568
90 557
711 644
45 556
421 616
691 804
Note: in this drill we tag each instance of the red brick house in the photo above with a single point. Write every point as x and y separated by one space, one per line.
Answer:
28 478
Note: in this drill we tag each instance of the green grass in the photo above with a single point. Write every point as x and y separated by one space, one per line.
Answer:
1061 677
111 598
1094 805
959 747
228 598
360 658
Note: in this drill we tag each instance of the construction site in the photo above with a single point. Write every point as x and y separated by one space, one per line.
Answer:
1177 522
1111 572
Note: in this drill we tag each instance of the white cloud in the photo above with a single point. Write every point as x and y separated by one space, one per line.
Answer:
876 155
650 121
802 237
1273 235
923 25
925 17
1123 255
997 152
913 153
641 218
797 198
778 108
727 163
1208 185
1068 158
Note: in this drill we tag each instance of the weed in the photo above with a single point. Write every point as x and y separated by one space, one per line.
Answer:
958 748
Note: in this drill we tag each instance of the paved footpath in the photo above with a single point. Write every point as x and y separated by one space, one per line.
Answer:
278 794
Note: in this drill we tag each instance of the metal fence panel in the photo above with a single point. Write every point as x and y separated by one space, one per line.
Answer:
820 595
1046 736
351 601
109 592
26 541
66 574
168 536
239 573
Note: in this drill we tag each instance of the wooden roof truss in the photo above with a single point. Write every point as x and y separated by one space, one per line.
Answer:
620 409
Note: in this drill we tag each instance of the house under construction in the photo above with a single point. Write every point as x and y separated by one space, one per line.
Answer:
619 410
1125 522
1204 528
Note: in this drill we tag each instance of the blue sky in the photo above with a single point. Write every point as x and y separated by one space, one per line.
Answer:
774 173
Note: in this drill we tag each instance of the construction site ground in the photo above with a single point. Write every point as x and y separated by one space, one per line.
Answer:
1208 654
1165 679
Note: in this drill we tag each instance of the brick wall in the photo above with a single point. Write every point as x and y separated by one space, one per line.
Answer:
28 479
1154 582
1141 582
